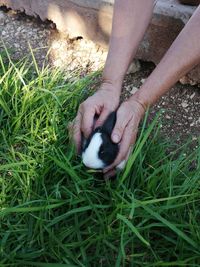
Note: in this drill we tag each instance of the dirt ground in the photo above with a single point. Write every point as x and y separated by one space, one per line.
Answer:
181 106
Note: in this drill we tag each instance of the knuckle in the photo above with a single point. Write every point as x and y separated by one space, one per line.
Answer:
119 129
82 106
123 117
85 104
87 108
107 108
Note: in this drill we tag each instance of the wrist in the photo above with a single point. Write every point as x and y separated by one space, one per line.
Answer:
115 83
137 100
140 100
108 86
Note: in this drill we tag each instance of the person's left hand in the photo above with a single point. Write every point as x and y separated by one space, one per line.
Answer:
129 115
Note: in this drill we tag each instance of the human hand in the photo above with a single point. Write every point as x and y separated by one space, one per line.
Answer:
129 115
104 101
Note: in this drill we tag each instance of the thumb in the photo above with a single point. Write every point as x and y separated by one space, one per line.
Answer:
120 126
87 121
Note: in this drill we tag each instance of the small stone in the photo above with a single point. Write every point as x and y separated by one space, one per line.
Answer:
17 45
52 25
192 96
12 12
167 117
186 80
143 80
184 104
55 45
133 90
2 18
135 66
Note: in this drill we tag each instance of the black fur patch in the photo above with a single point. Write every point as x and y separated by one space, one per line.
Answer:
108 150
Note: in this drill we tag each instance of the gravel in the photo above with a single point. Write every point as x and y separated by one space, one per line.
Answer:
181 106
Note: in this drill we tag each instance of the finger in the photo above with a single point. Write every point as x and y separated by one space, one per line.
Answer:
109 174
122 164
125 150
104 114
127 140
87 121
77 131
70 128
121 123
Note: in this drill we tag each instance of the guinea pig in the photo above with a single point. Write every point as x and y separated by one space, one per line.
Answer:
98 151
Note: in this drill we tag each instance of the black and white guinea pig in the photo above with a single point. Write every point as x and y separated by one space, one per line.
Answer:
98 151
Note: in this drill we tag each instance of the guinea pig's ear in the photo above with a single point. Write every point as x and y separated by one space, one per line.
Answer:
109 123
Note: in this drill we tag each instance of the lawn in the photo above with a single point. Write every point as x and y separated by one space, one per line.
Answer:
54 212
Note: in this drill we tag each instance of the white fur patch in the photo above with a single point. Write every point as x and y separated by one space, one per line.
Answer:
90 155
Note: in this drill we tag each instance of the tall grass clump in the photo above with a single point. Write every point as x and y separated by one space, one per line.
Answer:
55 212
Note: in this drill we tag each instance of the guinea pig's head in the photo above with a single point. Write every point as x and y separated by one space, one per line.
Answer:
98 151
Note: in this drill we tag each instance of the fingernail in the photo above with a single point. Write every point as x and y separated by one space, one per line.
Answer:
115 138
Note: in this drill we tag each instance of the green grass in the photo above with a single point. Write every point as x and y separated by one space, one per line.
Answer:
54 212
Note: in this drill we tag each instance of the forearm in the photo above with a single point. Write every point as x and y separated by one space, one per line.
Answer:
130 21
182 56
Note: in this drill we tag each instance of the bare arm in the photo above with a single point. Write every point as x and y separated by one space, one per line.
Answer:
182 56
130 21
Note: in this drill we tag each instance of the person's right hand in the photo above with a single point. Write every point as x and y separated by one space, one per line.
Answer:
104 101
